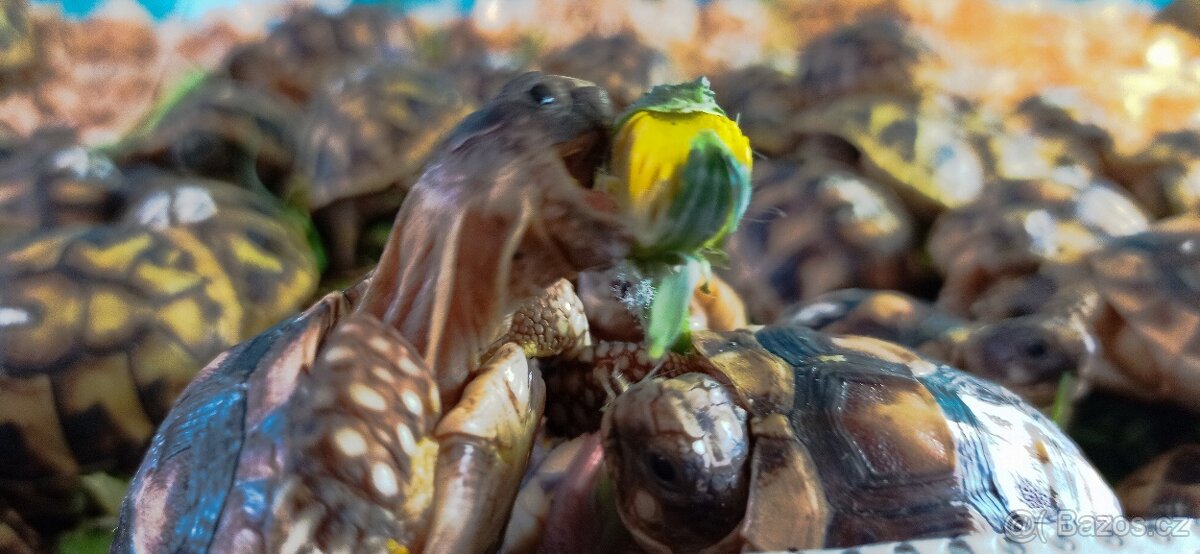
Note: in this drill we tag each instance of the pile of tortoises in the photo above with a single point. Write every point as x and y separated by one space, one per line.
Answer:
367 286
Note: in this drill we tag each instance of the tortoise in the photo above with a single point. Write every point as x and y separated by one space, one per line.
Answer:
878 54
1122 316
366 138
816 227
310 47
367 423
104 325
50 180
224 130
1064 123
17 43
1165 177
621 63
1167 486
1183 14
1014 228
786 438
916 147
763 100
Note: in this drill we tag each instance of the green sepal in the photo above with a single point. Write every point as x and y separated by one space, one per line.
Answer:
666 321
691 97
714 197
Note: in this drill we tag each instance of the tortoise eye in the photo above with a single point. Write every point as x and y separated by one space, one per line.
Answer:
661 468
542 95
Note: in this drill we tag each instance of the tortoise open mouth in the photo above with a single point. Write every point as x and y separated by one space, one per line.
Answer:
583 155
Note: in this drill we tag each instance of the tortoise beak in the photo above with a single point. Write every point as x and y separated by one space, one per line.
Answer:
583 154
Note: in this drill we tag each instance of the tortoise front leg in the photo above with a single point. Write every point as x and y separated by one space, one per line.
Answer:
484 445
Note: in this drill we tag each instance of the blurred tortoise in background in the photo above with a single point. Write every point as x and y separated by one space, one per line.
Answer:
763 100
105 324
778 438
1168 486
224 130
815 227
1165 176
368 421
621 64
311 47
17 42
914 147
49 180
365 140
878 54
987 248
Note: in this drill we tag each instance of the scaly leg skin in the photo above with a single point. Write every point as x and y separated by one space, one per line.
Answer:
484 445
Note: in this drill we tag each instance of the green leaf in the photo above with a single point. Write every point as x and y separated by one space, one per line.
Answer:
1064 397
690 97
667 319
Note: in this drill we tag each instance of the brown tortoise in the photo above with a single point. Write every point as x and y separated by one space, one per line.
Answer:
367 423
49 180
366 138
104 325
1165 176
1168 486
621 63
225 130
815 227
786 438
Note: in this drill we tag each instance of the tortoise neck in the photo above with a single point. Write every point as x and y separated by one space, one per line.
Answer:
440 284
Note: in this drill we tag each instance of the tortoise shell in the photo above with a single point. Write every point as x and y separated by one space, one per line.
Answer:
1149 282
1165 177
881 54
17 48
310 47
373 130
915 147
224 130
1068 124
882 314
48 180
787 438
1013 229
812 228
622 64
1168 486
105 325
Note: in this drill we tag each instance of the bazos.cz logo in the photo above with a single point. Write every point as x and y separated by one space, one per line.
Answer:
1023 526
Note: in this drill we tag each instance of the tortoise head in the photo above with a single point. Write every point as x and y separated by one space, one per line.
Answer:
501 212
678 451
1029 354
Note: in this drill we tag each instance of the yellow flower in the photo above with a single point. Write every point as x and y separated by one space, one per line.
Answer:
651 149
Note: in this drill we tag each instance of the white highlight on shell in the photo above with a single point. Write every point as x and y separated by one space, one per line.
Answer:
13 316
367 398
338 353
384 479
380 345
187 204
407 442
350 442
408 366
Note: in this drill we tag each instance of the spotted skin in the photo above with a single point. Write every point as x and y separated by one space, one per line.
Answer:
855 441
104 326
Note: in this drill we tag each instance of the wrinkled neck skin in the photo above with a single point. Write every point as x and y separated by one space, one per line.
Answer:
447 276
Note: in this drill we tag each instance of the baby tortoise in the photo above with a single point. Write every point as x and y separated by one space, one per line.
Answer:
915 147
1013 229
49 181
224 130
1168 486
763 100
1165 177
102 326
815 227
311 47
366 138
1062 122
367 422
786 438
879 54
621 63
17 43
